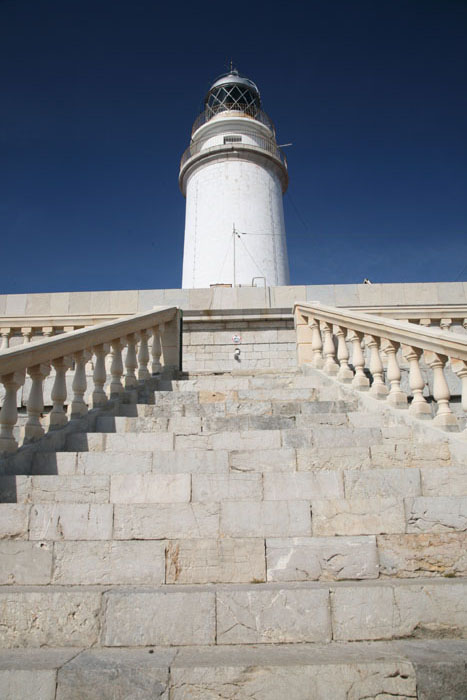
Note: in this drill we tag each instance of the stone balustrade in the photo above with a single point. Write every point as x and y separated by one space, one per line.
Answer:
325 333
72 350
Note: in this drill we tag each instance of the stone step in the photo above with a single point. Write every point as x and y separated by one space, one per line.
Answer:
427 669
228 518
34 616
230 560
223 485
272 438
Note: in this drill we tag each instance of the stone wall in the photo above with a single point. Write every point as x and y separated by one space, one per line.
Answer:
132 301
263 343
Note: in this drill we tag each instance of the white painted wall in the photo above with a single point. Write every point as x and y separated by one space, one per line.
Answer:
238 188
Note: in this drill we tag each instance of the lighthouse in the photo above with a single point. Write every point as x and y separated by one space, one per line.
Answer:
233 176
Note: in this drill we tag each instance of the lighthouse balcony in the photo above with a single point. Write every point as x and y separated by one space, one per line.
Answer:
233 142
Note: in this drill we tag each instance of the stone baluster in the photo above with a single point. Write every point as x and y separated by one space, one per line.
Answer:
316 344
5 335
156 349
329 350
99 397
116 368
26 333
131 362
344 374
419 406
57 416
425 322
33 429
143 356
444 416
9 410
47 331
360 380
396 396
378 388
460 368
445 324
78 406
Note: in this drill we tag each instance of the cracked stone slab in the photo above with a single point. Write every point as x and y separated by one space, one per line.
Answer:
382 482
222 487
48 617
110 674
14 518
339 681
265 519
303 485
150 488
321 558
427 554
25 562
31 673
444 482
273 616
313 459
52 488
114 562
436 514
265 460
386 611
166 521
359 516
216 561
165 618
71 521
193 461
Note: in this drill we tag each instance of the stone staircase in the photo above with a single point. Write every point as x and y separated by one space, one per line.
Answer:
237 536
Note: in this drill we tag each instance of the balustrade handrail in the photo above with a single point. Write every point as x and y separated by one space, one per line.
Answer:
196 149
21 357
323 334
73 350
441 342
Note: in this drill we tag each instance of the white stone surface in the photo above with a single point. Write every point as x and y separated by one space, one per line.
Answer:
273 617
216 561
431 514
71 521
25 562
321 558
369 516
382 482
323 484
427 554
159 618
265 519
150 488
227 487
171 521
14 519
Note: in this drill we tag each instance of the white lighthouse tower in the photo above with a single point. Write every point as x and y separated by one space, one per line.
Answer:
233 176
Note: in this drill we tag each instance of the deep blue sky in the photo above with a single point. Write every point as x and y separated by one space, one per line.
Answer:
98 98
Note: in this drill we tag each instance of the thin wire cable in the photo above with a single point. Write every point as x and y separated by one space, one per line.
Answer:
225 258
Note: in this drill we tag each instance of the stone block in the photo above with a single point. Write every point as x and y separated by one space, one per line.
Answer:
451 293
14 518
444 482
370 516
15 489
16 304
38 305
115 674
324 293
227 487
19 684
312 459
48 617
114 462
303 485
61 463
149 298
280 460
105 563
412 556
257 676
265 519
139 441
171 521
150 488
285 297
216 561
276 616
79 303
194 461
248 440
70 489
70 521
25 563
382 482
321 558
162 618
431 514
59 303
391 611
389 455
346 295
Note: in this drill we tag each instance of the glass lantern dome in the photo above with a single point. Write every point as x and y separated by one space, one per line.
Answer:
233 92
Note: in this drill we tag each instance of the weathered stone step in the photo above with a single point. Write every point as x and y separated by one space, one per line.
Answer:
231 560
232 518
234 614
428 670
